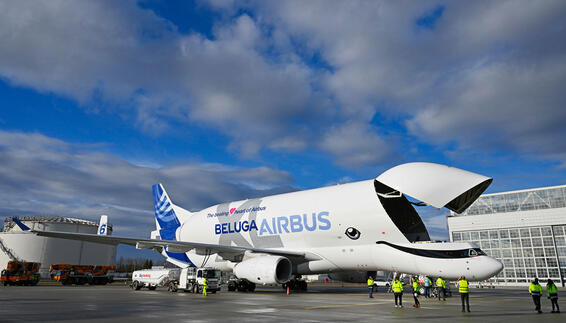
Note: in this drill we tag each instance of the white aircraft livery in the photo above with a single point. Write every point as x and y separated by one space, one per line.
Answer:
362 226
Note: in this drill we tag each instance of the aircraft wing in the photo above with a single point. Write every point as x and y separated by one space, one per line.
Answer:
232 253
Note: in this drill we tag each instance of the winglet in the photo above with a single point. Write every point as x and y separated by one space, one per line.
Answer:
20 224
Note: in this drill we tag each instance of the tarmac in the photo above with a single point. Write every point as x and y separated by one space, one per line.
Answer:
322 303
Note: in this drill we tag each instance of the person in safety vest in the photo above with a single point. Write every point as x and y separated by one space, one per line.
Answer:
370 286
204 287
416 291
441 288
427 284
464 289
536 291
552 294
397 287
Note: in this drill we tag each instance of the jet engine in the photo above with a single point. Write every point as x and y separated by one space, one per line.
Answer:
264 270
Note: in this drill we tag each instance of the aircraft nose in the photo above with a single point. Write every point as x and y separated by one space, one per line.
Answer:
493 267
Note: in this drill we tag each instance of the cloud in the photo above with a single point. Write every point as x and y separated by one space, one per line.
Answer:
135 61
489 75
275 74
42 175
355 145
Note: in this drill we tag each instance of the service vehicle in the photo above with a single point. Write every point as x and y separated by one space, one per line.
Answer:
153 278
21 273
69 274
191 279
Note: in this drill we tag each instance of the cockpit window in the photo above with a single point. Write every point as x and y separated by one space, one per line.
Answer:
473 253
478 252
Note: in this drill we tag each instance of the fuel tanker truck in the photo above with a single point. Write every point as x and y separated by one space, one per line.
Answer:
186 279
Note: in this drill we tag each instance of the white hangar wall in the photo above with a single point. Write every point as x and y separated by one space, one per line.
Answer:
46 250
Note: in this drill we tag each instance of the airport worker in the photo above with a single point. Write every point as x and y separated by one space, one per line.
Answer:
464 289
204 286
416 288
397 287
441 287
552 294
427 284
536 291
370 286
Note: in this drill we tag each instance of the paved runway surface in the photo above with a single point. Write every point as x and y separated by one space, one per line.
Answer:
320 304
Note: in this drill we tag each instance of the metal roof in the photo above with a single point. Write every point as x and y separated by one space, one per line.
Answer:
516 201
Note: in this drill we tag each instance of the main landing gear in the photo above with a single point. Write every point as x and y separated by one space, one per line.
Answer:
295 284
242 285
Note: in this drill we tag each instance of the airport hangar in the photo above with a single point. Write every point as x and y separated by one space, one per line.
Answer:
526 230
15 244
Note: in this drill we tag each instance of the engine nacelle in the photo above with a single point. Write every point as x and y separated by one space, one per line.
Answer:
265 270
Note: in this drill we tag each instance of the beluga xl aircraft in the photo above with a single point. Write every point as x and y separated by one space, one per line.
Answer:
363 226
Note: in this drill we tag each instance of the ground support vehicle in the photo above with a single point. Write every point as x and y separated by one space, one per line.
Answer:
153 278
21 273
191 279
81 274
485 284
383 283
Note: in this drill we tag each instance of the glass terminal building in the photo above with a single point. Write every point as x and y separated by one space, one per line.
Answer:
525 229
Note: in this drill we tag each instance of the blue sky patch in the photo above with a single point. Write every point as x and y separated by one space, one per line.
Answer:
429 19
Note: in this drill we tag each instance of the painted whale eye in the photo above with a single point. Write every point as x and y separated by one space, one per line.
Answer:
353 233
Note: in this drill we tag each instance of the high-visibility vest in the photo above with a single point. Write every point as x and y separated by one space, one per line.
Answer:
463 286
440 282
551 291
397 286
535 289
205 283
370 282
415 286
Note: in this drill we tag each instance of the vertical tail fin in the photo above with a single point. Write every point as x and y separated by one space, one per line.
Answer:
167 223
165 214
103 226
20 224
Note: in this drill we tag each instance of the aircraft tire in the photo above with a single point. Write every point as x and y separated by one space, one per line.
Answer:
242 286
251 287
303 285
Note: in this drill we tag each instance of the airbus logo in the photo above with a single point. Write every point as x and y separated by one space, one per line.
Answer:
278 225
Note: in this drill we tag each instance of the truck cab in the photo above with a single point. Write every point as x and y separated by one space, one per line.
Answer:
192 279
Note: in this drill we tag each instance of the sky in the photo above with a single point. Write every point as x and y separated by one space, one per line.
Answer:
227 100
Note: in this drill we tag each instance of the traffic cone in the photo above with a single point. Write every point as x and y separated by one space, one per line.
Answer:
287 290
